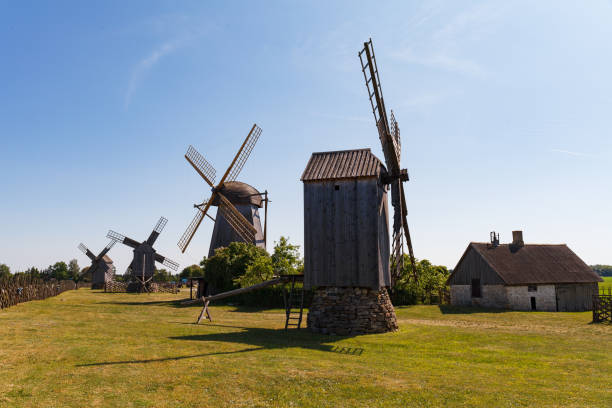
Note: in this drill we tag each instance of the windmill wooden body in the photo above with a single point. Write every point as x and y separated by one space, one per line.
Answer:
247 200
102 269
237 218
142 266
346 234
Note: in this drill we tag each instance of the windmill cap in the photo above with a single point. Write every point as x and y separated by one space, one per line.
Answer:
239 193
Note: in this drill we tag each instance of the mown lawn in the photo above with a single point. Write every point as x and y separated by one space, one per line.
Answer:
607 283
89 349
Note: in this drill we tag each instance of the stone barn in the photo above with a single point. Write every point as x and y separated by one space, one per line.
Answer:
521 276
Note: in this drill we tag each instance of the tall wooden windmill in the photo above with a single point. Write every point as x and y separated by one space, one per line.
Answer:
143 264
237 218
101 269
346 227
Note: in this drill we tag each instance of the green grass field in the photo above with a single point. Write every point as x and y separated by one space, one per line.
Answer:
607 283
90 349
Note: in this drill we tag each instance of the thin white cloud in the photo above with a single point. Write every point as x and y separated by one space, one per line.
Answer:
444 46
345 118
442 61
145 65
578 154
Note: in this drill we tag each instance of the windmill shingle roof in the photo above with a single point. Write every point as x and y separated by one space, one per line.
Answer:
342 164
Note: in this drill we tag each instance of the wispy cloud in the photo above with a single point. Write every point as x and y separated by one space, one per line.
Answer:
345 118
445 45
145 65
443 61
578 154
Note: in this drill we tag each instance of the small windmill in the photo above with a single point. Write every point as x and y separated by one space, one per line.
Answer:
143 264
389 134
102 269
237 218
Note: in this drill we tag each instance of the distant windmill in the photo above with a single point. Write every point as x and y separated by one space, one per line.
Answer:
101 269
238 217
143 264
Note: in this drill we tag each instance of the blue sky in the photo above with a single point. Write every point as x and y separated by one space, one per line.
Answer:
504 107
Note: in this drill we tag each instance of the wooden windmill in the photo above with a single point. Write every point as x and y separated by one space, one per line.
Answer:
389 134
143 264
237 218
101 269
346 227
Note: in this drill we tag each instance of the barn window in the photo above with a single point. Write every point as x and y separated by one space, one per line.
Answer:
532 288
476 288
336 187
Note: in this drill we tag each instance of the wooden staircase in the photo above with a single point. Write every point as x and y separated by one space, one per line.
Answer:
294 302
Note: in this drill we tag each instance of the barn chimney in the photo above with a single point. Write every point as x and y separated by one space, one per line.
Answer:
517 239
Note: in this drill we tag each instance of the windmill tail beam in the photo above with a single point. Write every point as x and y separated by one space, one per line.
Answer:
223 295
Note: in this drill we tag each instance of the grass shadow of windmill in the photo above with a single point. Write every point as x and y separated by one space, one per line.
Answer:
276 339
257 338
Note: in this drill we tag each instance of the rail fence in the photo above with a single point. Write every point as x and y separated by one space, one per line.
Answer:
20 289
602 306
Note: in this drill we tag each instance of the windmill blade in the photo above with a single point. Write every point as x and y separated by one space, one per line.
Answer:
157 230
377 102
199 163
115 236
167 262
194 224
87 252
107 248
243 154
243 228
407 232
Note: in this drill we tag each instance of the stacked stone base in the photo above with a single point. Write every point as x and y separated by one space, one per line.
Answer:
349 311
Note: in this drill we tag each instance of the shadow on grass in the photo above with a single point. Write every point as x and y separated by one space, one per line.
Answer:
448 309
261 339
157 360
171 303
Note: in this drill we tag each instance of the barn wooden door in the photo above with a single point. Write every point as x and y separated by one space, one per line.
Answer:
566 295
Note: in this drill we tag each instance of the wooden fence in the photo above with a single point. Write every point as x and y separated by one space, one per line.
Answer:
124 287
602 306
19 289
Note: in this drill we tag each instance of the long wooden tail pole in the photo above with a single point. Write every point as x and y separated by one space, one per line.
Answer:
234 292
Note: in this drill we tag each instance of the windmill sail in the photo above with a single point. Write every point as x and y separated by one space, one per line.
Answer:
389 135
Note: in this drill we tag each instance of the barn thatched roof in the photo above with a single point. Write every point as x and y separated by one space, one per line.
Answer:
342 164
535 264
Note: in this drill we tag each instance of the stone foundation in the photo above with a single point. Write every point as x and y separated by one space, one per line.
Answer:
346 311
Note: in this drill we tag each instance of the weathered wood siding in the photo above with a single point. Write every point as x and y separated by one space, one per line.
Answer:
223 233
473 266
575 297
346 239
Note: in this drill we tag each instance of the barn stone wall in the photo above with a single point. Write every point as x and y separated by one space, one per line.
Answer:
519 298
461 295
493 296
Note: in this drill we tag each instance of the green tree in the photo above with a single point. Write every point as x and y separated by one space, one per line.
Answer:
74 270
5 271
431 279
162 276
229 263
192 271
58 271
286 258
260 270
